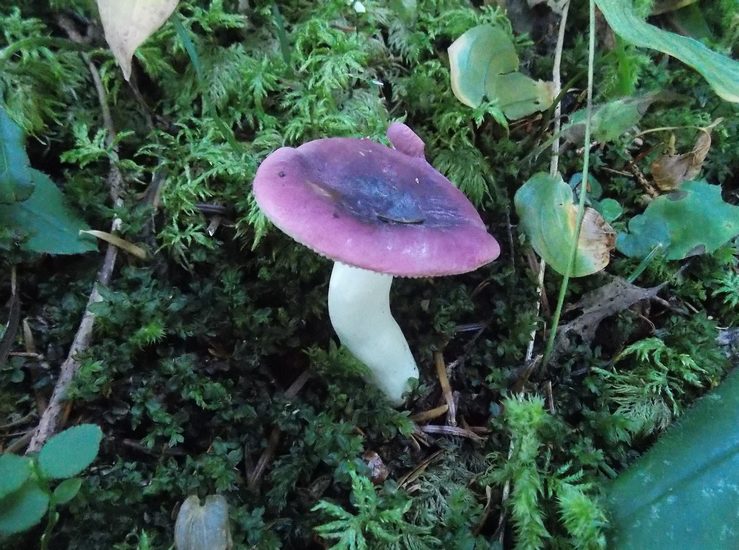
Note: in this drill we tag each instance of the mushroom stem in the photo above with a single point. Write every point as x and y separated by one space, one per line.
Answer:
359 308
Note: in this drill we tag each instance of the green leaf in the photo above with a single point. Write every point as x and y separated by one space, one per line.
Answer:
693 220
684 493
610 209
67 490
52 227
203 526
16 183
14 471
610 120
548 217
721 72
483 63
23 509
71 451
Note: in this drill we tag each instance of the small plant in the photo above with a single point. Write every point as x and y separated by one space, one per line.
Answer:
727 287
26 493
379 521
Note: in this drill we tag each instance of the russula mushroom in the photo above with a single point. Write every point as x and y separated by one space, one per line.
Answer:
378 213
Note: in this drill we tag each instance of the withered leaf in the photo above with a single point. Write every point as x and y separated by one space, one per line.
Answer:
129 23
599 304
669 171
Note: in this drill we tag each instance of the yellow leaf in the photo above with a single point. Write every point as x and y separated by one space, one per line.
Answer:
128 23
123 244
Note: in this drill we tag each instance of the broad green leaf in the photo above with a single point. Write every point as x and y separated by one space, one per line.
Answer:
14 471
67 490
693 220
203 526
548 217
519 95
610 209
69 452
128 24
16 183
684 493
483 64
721 72
22 509
50 225
610 120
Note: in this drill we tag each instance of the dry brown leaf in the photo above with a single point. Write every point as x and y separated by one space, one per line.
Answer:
669 171
128 23
600 303
597 235
377 468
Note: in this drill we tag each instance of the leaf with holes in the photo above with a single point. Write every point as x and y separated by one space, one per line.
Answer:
548 217
693 220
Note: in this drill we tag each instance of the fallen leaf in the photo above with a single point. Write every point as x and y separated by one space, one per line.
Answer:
610 120
549 217
203 525
484 64
378 470
127 25
692 220
123 244
669 171
599 304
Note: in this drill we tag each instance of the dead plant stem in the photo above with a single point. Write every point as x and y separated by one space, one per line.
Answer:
52 417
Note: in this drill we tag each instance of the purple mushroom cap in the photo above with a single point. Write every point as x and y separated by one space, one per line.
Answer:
366 205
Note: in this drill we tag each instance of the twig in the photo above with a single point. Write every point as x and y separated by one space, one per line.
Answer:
11 328
418 470
450 430
642 179
446 389
430 414
550 397
50 419
273 441
31 415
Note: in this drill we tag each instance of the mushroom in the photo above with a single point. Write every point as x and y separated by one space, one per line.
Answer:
378 213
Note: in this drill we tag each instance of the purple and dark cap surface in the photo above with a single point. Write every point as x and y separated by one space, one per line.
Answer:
366 205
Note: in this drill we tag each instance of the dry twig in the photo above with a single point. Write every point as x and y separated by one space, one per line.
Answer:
446 389
51 417
273 440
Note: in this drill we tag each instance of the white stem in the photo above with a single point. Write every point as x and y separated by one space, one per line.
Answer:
359 308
